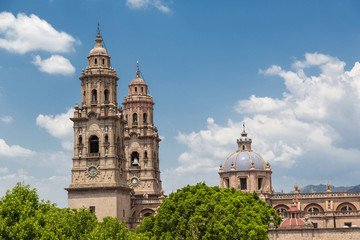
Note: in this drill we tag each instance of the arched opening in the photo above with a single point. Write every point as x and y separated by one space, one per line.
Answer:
135 118
135 89
313 208
147 214
281 210
226 182
106 95
94 95
243 147
95 61
103 60
145 154
346 207
135 159
80 140
94 144
142 89
106 138
144 117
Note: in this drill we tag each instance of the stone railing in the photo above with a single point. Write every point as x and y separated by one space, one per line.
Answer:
315 195
146 201
135 220
333 213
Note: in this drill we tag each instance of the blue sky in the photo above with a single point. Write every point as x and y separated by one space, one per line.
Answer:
289 69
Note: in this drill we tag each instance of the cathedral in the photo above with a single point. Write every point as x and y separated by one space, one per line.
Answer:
116 173
246 170
115 168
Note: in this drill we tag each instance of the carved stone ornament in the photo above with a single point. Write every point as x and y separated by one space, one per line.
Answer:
93 171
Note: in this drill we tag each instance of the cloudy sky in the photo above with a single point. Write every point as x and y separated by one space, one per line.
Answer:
288 69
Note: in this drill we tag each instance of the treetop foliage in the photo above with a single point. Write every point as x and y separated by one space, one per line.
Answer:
194 212
202 212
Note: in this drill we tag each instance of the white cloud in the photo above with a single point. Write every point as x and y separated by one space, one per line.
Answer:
14 151
135 4
7 119
59 126
56 64
311 134
49 188
22 34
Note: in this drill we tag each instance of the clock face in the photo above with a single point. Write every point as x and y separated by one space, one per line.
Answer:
92 171
134 181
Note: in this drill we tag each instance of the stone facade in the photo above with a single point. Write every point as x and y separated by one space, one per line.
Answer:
245 170
104 177
315 234
141 140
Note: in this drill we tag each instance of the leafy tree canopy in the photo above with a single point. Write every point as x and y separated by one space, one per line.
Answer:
202 212
23 216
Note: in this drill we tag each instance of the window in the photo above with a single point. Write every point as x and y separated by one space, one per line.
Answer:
145 154
95 60
315 225
103 61
243 183
94 144
135 118
80 140
260 182
226 182
346 209
135 89
142 89
84 93
144 117
147 214
313 209
135 159
94 95
123 212
106 95
347 224
243 147
106 138
92 209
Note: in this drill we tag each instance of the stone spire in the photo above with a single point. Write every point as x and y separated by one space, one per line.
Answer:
137 70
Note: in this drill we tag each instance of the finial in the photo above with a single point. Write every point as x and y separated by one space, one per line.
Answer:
137 69
244 134
243 126
98 37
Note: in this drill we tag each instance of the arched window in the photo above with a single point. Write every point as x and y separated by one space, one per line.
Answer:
147 214
106 138
144 117
94 95
142 89
106 95
135 159
94 144
145 154
346 207
243 147
80 139
95 61
135 118
103 60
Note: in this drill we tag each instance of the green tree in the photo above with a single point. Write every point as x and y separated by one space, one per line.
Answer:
202 212
24 216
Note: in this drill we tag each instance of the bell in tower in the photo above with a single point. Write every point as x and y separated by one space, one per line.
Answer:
142 148
98 181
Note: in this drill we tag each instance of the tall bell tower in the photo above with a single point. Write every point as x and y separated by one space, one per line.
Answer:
98 178
142 149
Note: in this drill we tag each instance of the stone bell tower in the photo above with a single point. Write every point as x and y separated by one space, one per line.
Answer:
98 179
142 149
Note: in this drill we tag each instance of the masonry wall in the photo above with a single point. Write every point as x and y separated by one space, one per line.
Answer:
315 234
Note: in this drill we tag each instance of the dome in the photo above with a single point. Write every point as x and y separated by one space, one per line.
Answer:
137 80
98 48
292 223
243 160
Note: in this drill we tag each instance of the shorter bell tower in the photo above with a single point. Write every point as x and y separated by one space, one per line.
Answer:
142 150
